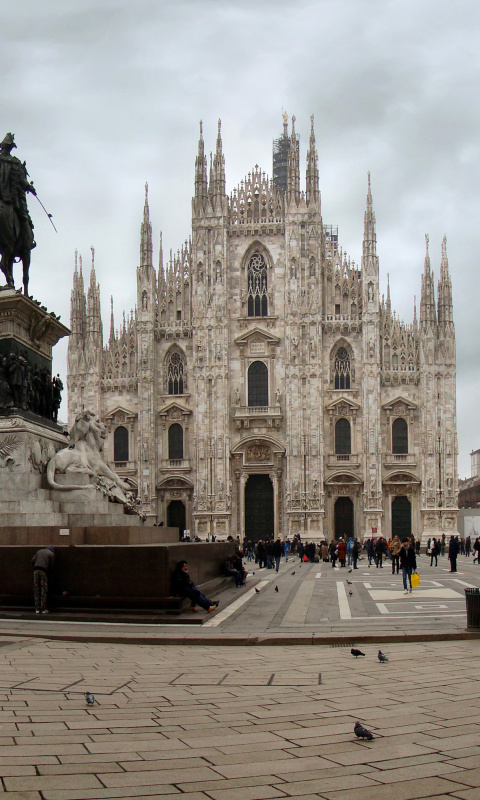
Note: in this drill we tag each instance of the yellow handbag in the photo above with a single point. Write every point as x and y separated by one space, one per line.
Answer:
415 580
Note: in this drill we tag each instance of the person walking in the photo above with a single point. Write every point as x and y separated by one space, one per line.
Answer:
408 563
332 548
476 550
277 553
42 563
379 551
342 552
468 546
395 551
355 553
349 551
453 548
434 550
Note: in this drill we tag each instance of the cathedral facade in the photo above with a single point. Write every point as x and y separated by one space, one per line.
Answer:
262 387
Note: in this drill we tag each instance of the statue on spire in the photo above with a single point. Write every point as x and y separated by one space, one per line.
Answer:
16 226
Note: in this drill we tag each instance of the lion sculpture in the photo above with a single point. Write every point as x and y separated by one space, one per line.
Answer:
84 455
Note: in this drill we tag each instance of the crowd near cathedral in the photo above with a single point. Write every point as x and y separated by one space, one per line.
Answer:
262 387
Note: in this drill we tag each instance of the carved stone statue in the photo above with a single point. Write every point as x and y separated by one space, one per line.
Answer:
84 455
16 226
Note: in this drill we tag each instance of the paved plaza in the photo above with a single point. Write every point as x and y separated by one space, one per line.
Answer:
200 719
238 723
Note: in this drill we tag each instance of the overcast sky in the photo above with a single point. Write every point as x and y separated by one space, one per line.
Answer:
105 95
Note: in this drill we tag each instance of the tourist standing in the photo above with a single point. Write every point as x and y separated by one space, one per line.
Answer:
453 548
408 563
395 551
42 563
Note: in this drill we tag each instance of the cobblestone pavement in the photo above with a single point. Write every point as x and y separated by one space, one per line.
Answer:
238 723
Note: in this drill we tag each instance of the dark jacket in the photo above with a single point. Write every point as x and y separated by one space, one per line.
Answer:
43 559
277 549
453 548
407 556
181 583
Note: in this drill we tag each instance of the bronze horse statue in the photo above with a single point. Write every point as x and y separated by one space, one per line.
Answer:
16 226
13 247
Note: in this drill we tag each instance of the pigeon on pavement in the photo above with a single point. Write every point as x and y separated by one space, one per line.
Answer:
362 732
381 657
89 697
356 653
293 573
349 582
349 571
257 590
276 588
350 592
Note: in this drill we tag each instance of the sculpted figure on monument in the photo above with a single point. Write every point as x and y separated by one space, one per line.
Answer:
16 226
84 454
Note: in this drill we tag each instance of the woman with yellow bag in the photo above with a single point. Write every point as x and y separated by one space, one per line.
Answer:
408 563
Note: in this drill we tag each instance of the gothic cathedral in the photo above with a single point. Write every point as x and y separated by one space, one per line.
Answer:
262 387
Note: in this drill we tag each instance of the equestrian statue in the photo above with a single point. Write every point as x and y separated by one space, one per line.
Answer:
16 226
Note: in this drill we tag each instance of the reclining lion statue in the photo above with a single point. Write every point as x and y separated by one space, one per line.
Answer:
84 455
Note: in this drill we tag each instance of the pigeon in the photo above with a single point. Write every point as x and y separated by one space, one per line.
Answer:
89 697
350 592
276 588
257 590
349 571
356 653
293 573
381 657
362 733
349 582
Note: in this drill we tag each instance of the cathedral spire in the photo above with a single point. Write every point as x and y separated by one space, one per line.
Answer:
112 323
389 303
146 250
219 168
78 306
200 174
312 169
293 179
369 228
445 303
427 297
94 317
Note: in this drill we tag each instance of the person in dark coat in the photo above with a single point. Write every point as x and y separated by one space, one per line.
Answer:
453 548
355 553
277 552
408 563
42 563
261 554
183 586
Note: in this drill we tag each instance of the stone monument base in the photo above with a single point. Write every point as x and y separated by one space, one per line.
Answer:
27 442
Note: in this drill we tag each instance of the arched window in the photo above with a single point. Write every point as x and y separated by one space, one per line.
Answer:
258 384
175 441
342 369
257 287
175 374
399 436
343 443
120 444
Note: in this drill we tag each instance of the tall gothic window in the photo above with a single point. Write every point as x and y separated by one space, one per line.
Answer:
258 384
120 444
175 441
399 436
343 442
175 374
257 287
342 369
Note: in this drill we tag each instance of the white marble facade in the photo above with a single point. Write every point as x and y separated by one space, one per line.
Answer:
262 386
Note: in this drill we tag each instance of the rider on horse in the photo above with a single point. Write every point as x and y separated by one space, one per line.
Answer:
16 226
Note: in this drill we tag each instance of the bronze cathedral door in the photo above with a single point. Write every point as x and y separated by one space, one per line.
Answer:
259 515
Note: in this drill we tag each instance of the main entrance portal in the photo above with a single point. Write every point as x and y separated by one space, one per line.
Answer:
176 516
259 517
401 517
343 515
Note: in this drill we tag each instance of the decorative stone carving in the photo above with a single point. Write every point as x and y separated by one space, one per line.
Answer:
84 455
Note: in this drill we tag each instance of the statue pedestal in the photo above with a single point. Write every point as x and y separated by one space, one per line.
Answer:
28 333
